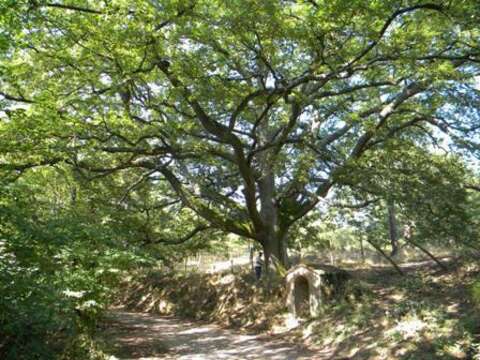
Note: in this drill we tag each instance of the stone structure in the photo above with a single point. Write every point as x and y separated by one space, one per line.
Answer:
310 284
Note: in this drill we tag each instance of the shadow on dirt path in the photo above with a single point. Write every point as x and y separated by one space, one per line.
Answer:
134 335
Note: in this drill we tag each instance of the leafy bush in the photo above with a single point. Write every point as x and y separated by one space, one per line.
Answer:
57 271
36 321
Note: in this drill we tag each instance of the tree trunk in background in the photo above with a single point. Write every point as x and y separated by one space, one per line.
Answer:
392 228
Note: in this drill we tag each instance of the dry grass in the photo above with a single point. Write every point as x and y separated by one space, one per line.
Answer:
424 315
235 300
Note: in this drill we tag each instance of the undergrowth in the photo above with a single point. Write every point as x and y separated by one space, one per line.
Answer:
424 315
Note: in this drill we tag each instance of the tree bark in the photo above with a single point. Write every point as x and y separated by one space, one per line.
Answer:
272 237
275 250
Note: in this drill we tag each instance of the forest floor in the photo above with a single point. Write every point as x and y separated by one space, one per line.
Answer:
135 335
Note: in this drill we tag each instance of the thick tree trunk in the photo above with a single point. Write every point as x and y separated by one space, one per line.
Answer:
272 237
275 250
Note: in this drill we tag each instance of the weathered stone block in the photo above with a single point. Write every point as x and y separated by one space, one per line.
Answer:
308 286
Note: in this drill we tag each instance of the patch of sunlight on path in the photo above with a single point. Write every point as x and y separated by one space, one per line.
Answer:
145 336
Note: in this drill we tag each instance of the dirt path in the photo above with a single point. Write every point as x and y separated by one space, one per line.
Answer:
146 336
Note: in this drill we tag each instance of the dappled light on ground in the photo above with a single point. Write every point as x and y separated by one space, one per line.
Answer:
146 336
